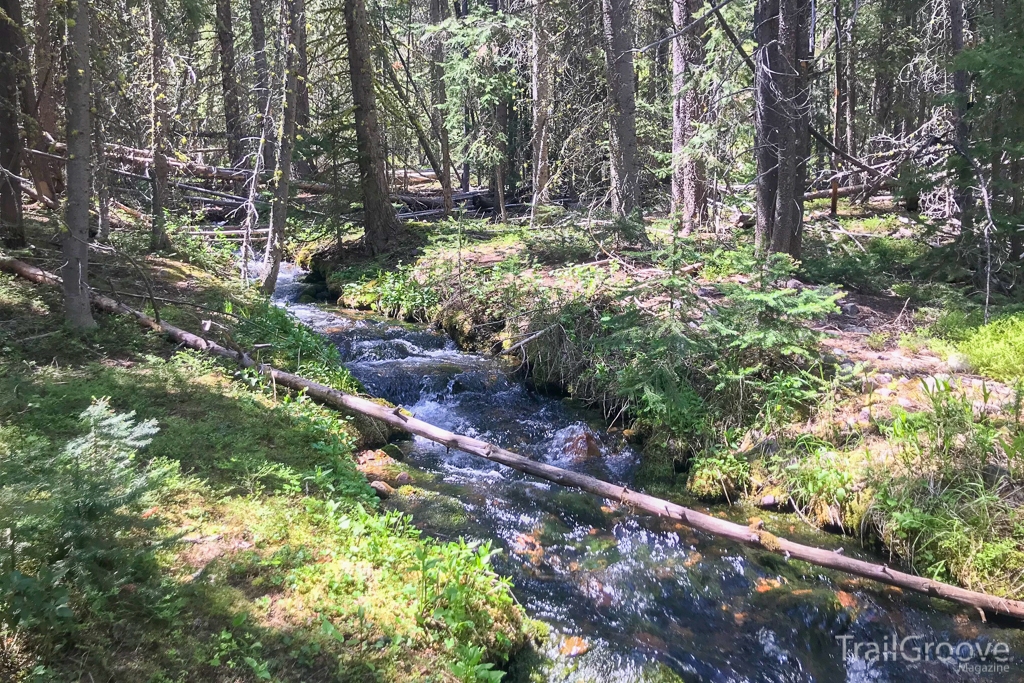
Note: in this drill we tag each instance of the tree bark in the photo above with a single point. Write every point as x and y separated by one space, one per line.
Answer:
439 96
12 229
47 72
541 77
1017 209
101 177
500 133
767 120
296 11
963 195
782 122
75 239
689 182
622 142
381 228
262 84
850 80
40 168
233 116
158 240
303 168
840 85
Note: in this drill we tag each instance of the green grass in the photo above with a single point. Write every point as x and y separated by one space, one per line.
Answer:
997 349
290 572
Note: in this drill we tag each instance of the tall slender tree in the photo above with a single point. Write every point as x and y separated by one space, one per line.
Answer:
382 232
622 142
158 239
439 97
75 238
12 230
541 77
261 66
296 13
233 115
963 194
47 82
303 167
782 122
689 103
40 168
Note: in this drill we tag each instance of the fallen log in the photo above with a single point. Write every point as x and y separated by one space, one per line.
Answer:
749 536
29 188
847 191
194 168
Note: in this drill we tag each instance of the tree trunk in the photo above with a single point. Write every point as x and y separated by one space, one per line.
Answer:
233 115
781 122
439 96
158 240
296 11
381 228
1017 209
963 195
622 143
689 183
101 177
262 84
75 239
542 103
47 81
467 114
850 83
12 229
767 120
840 86
303 168
500 133
39 167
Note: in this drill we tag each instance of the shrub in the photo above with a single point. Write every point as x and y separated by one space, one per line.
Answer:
69 516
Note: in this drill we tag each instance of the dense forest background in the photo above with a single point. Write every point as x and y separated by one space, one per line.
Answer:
675 107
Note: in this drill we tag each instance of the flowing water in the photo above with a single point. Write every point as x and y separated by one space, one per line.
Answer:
632 598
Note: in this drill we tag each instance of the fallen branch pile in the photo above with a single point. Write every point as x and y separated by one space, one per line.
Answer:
753 537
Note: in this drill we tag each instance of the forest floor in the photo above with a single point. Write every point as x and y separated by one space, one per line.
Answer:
860 388
255 550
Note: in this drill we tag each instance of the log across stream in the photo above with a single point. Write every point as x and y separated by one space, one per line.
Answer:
432 376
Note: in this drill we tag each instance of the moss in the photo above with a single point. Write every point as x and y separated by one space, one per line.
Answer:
459 326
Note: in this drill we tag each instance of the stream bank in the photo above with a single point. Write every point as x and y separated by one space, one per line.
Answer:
627 598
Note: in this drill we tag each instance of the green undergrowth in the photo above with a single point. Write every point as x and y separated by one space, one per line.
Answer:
870 265
166 518
994 349
939 487
947 503
688 373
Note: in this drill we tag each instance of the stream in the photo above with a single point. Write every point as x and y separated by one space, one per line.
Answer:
631 598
